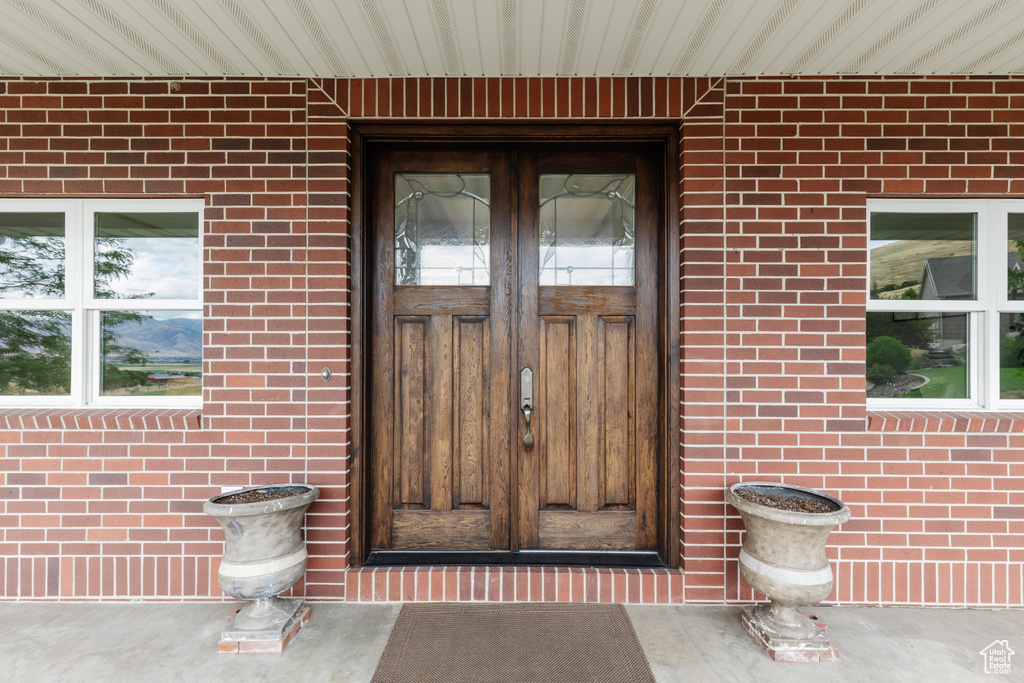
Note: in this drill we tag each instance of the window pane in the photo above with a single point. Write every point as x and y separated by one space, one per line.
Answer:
1011 355
917 355
442 229
1015 257
923 256
31 255
151 353
587 229
35 353
146 256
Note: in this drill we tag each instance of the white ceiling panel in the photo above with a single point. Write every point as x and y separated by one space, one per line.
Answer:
211 41
1000 57
733 27
377 38
341 34
693 28
824 47
530 36
658 53
37 25
467 37
291 43
803 34
550 37
488 37
622 22
902 41
404 16
596 24
982 39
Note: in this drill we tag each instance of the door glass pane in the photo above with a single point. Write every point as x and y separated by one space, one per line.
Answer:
587 229
442 229
918 354
31 255
923 256
146 256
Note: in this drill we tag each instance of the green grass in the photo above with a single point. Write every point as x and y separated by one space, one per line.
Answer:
945 383
1011 383
952 383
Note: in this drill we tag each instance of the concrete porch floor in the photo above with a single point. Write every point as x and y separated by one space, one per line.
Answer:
141 642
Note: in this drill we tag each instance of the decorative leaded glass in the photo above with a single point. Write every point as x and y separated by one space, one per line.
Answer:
587 229
442 229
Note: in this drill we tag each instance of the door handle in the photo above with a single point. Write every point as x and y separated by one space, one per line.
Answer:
526 403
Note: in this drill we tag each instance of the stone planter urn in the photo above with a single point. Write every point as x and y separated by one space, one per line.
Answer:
783 557
264 555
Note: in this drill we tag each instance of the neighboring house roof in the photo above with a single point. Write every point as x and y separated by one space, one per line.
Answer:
952 277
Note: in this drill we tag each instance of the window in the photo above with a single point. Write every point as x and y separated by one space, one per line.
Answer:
945 314
100 302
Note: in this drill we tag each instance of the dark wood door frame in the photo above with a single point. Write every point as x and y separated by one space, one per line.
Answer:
366 138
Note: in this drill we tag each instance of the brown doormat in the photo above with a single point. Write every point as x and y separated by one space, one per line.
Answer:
513 643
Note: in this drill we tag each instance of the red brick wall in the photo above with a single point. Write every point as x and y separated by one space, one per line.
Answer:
774 172
774 266
107 504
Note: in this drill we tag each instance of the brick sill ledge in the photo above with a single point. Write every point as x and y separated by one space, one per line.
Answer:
931 421
101 418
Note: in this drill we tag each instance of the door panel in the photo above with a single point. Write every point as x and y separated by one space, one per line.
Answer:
412 460
450 469
617 395
569 529
430 530
471 353
556 402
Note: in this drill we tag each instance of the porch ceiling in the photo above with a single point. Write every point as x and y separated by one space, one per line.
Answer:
374 38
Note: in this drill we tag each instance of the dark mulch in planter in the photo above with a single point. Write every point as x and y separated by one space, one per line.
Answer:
791 504
254 497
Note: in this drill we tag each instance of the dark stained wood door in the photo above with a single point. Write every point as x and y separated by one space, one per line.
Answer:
441 400
590 482
449 467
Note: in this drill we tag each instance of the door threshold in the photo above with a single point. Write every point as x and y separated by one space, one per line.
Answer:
623 559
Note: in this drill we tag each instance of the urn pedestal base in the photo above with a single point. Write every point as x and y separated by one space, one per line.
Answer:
264 626
787 635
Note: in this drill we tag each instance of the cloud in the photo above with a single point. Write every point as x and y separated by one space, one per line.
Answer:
167 268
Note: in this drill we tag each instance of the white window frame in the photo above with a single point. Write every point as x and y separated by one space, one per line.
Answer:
983 312
85 308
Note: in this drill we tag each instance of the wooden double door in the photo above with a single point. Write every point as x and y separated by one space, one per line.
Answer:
514 380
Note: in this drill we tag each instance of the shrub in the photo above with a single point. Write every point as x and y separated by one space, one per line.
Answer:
1010 352
888 351
918 332
880 373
